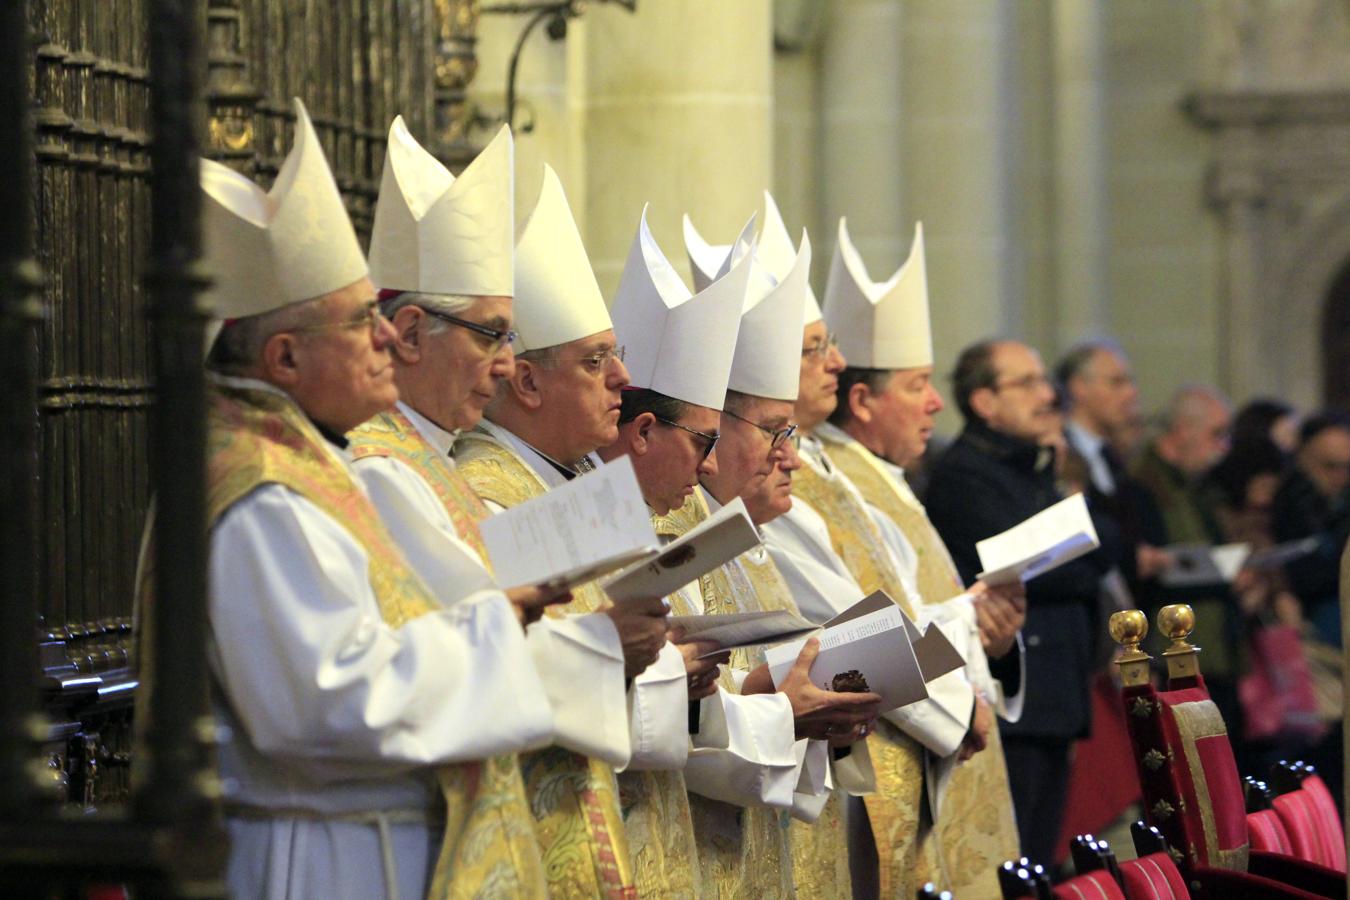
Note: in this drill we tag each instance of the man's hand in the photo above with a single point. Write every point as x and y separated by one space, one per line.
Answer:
977 738
1151 561
840 718
1000 612
701 673
529 601
642 631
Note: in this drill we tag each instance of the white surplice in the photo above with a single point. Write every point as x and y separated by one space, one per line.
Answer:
331 720
565 652
653 718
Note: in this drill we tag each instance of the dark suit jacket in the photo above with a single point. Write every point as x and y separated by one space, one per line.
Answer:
986 483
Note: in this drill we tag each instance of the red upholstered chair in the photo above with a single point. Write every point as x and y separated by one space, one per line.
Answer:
1022 878
1153 875
1264 828
1308 812
1190 783
1099 885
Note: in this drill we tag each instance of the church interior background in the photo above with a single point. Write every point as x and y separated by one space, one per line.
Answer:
1173 175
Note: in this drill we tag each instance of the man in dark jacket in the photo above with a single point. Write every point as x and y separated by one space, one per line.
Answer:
1314 501
994 476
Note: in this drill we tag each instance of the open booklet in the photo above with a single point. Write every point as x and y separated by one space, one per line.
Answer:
577 532
873 646
1054 536
715 541
750 629
1198 565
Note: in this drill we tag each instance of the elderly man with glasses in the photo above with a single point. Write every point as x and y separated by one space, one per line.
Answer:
541 428
828 549
346 687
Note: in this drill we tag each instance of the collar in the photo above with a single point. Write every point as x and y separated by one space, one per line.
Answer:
434 434
1085 441
1011 451
551 470
257 384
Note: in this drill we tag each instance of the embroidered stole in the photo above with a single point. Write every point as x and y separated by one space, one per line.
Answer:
976 827
256 438
575 799
819 849
897 759
494 789
742 851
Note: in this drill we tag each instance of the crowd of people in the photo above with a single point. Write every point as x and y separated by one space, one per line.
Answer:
397 724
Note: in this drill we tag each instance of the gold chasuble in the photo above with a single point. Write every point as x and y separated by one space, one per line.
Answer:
819 849
255 438
976 829
742 851
905 858
575 799
500 788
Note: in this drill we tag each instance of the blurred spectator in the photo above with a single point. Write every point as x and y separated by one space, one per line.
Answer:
996 474
1266 419
1245 481
1313 502
1172 468
1103 402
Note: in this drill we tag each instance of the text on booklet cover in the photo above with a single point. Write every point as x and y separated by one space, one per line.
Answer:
866 648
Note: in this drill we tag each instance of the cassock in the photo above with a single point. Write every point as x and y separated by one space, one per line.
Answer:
912 737
345 686
975 821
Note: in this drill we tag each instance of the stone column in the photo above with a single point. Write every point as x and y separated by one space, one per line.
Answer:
863 164
672 106
960 96
1080 217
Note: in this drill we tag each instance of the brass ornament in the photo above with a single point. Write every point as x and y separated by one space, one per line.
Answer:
1176 622
1141 707
1162 810
1128 627
1153 760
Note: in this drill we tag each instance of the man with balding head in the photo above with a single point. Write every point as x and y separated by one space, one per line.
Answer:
1103 403
995 475
1194 438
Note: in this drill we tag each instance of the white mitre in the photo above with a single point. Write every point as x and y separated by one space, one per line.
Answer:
768 355
438 234
778 255
676 344
557 297
709 262
880 325
269 249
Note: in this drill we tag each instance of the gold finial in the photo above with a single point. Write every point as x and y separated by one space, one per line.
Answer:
1128 628
1177 622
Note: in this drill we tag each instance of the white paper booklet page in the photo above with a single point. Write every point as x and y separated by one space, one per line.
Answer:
577 532
714 542
873 646
1054 536
750 629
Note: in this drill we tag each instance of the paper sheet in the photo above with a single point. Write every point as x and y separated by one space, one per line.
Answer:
870 639
744 629
577 532
716 541
1054 536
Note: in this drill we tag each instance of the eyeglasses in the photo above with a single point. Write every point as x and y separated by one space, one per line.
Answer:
498 338
776 438
595 362
820 349
711 439
369 317
1025 383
